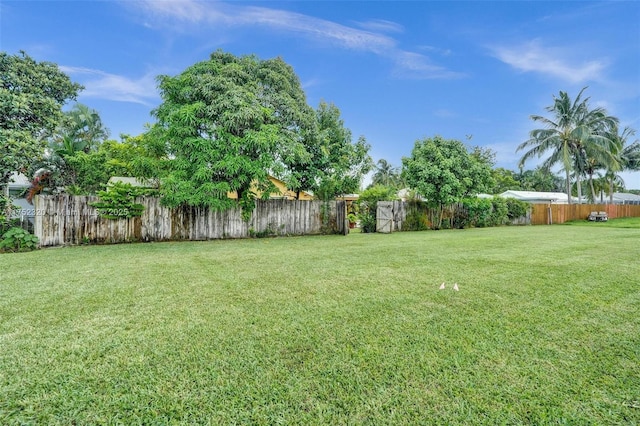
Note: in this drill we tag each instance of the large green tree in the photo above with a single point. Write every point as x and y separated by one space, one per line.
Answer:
341 163
331 164
443 171
539 179
504 180
571 130
31 98
228 123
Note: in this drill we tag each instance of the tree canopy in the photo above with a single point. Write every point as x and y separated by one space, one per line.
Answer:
572 134
31 98
340 163
229 122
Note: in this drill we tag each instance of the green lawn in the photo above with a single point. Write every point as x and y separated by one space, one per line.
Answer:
627 222
327 330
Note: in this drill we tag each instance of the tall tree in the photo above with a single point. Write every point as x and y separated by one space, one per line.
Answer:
342 163
627 157
444 171
504 180
31 98
83 127
331 164
229 122
386 174
572 125
539 179
79 134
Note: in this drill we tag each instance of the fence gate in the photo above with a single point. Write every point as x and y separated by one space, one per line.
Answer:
384 217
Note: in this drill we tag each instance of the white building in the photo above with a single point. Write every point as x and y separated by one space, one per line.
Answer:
535 197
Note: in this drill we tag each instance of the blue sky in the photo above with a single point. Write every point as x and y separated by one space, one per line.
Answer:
398 71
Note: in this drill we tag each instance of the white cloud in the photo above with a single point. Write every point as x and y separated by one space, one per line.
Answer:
103 85
184 14
381 25
415 65
534 57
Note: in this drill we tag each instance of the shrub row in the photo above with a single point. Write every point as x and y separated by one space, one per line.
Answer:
469 213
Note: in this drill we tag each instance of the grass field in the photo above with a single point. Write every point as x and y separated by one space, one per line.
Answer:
627 222
328 330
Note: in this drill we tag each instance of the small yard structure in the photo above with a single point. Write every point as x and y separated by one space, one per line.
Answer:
598 217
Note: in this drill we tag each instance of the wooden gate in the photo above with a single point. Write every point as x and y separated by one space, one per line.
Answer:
384 217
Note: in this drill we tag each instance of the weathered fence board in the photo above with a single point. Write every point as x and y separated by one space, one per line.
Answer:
65 219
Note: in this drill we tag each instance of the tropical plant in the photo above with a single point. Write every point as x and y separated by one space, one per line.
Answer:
572 129
627 158
386 174
119 201
16 240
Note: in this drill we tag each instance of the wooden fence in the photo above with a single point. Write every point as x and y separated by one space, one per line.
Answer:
395 213
395 216
545 214
65 219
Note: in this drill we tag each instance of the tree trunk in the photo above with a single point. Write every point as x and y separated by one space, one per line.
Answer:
579 187
611 191
593 190
568 187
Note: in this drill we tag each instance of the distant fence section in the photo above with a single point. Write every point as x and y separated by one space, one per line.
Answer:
546 214
66 219
393 215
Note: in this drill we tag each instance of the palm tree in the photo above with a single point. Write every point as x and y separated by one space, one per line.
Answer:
572 127
386 174
627 157
86 125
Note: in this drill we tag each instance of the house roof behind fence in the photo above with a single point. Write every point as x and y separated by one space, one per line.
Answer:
625 196
540 197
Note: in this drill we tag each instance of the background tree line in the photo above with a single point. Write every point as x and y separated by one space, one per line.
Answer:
228 123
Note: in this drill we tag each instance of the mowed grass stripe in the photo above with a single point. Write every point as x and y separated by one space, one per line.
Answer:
318 330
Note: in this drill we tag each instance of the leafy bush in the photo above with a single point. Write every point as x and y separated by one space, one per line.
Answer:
118 201
18 240
416 218
368 221
481 212
476 212
499 211
516 208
